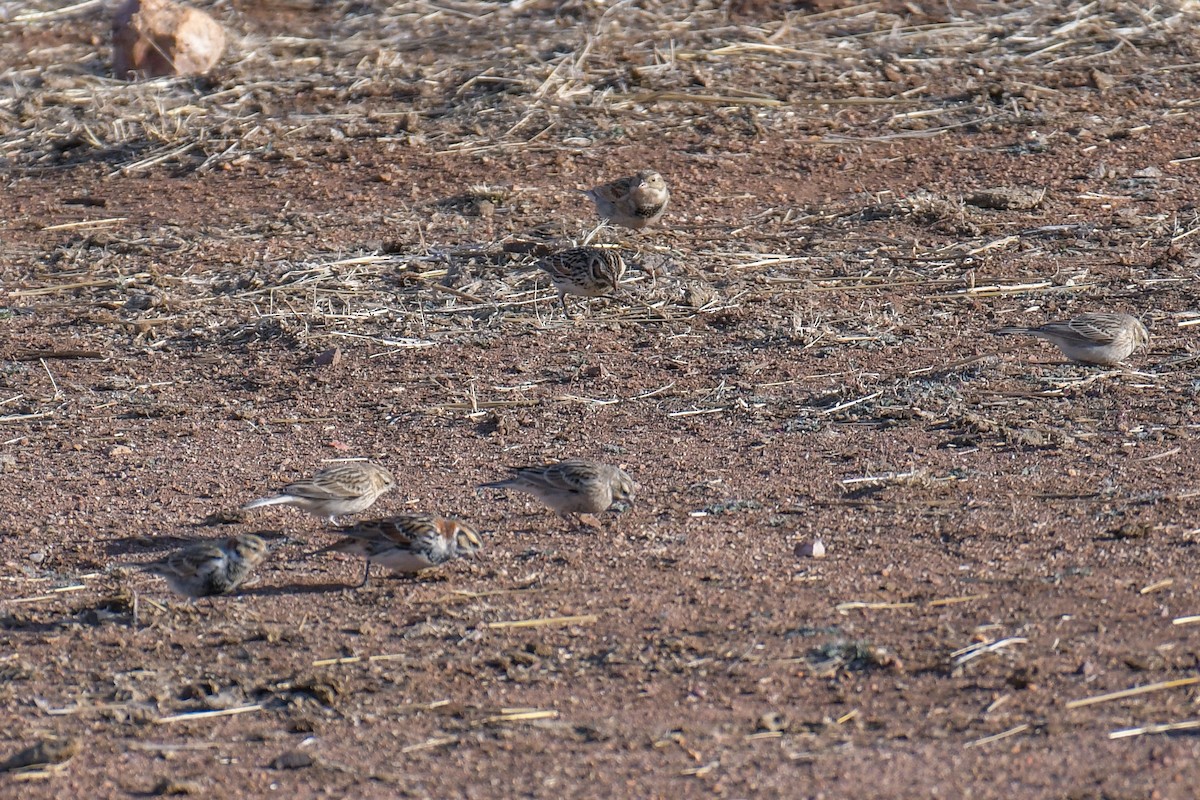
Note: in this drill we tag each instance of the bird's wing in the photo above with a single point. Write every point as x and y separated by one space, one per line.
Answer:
615 191
570 475
403 531
1094 329
555 265
199 560
314 489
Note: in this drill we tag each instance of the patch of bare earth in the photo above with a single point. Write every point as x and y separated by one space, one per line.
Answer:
800 352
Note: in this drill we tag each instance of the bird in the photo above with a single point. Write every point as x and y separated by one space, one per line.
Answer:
573 486
205 569
634 202
583 272
347 488
407 543
1093 338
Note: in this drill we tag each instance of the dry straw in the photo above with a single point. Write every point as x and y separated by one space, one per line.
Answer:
1137 690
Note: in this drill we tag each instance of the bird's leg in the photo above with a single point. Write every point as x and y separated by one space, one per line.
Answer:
213 608
562 298
366 575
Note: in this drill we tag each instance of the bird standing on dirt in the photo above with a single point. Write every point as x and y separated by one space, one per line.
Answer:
407 543
634 202
572 487
348 488
205 569
1093 338
583 272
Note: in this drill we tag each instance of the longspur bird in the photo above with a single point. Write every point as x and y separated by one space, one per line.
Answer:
407 543
634 202
572 487
347 488
204 569
584 272
1093 338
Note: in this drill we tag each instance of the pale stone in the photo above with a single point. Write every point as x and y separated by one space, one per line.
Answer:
153 38
813 549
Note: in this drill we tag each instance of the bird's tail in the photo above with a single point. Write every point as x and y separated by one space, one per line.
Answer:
1010 330
348 545
268 501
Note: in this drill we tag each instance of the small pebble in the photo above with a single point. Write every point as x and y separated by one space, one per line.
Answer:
329 358
813 549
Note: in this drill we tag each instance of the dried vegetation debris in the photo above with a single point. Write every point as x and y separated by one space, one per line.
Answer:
558 76
850 329
496 74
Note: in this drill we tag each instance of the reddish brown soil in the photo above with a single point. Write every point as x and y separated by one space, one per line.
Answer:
1047 507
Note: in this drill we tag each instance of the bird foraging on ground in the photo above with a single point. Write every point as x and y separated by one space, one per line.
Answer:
347 488
205 569
634 202
407 543
572 487
583 272
1093 338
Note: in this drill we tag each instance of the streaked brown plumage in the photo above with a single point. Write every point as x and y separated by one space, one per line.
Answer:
634 202
584 272
347 488
1093 338
204 569
573 486
407 543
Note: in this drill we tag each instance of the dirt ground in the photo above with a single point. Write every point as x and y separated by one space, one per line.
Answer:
800 352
